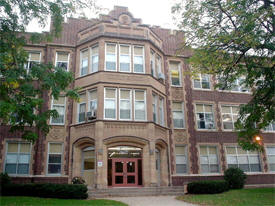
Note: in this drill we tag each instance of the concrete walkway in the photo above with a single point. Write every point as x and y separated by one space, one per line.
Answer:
151 201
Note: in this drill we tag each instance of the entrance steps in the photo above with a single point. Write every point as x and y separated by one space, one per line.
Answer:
135 191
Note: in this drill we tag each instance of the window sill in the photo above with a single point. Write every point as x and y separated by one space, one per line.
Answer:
198 89
206 130
235 92
52 124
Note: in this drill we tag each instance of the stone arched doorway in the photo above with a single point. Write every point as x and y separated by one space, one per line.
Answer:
84 160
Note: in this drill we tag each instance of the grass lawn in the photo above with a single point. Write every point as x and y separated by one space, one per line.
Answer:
244 197
34 201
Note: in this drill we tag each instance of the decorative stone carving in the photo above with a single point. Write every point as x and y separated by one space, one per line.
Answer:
180 137
125 19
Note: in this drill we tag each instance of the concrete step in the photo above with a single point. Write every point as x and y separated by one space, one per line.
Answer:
133 192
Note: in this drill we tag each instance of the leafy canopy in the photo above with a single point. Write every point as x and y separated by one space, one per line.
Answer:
22 92
234 39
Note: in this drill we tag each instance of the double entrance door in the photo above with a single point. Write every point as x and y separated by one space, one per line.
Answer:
124 172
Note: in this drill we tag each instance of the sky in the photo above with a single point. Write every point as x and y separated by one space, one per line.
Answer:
153 12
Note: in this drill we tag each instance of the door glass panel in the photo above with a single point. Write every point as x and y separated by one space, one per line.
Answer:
118 166
130 166
119 179
131 179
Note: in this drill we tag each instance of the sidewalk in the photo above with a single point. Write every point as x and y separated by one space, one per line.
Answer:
152 201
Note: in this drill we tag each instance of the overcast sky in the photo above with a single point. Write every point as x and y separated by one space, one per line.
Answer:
153 12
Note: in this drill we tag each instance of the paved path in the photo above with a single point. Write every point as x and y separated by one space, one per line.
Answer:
152 201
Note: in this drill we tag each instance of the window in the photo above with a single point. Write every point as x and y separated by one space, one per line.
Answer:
88 159
84 62
209 159
82 107
152 63
110 103
175 73
229 116
181 159
18 158
270 127
205 116
237 85
110 60
55 158
158 66
248 161
161 111
178 114
124 58
62 60
138 59
125 104
94 59
59 106
270 152
202 81
140 108
154 105
93 101
34 58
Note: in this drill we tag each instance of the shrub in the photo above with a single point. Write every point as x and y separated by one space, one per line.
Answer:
64 191
235 178
4 179
207 187
78 180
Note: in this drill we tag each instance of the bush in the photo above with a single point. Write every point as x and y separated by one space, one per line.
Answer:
4 179
78 180
235 178
64 191
207 187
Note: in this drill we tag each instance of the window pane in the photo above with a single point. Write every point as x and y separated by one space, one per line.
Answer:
181 168
10 168
139 110
13 147
34 56
25 147
55 158
138 50
139 95
110 93
270 150
180 159
89 164
54 168
23 169
11 158
24 159
111 48
232 160
180 149
62 56
55 148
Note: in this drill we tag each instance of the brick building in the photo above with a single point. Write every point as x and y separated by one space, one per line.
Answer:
141 121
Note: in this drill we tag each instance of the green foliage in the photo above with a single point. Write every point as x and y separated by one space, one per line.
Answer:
22 92
235 178
63 191
78 180
233 39
207 187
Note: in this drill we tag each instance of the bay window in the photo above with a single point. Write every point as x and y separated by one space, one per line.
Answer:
111 57
124 58
140 105
94 59
125 97
154 108
138 59
84 62
161 111
82 108
93 101
110 103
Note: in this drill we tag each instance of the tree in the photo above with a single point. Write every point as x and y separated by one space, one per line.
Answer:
232 39
22 91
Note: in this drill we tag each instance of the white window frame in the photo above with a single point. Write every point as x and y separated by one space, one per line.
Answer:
64 105
130 101
155 106
145 105
161 111
138 56
153 63
29 59
247 155
268 158
48 154
68 60
179 70
91 59
186 157
78 108
115 118
231 114
213 112
105 69
130 58
183 115
159 65
80 65
92 100
237 85
208 158
200 79
19 146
